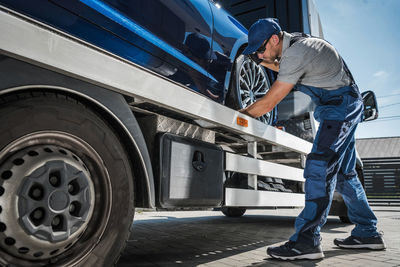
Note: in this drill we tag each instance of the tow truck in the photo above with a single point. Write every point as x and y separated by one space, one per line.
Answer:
86 136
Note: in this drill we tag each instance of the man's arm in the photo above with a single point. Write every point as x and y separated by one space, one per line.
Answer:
272 66
274 95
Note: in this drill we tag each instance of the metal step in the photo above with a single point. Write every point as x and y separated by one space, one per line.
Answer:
247 165
251 198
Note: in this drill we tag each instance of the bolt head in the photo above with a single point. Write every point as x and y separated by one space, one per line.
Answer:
38 214
37 193
72 208
56 221
53 180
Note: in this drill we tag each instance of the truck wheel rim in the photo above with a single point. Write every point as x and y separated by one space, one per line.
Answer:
253 85
47 196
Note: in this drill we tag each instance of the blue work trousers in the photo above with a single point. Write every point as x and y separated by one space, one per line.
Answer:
331 164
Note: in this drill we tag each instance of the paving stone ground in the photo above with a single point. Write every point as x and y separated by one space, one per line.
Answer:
208 238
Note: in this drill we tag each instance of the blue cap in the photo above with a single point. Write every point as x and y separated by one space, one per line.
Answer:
260 31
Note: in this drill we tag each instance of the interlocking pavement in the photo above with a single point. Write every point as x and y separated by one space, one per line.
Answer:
208 238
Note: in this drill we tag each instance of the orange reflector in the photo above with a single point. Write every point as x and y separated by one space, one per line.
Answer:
242 122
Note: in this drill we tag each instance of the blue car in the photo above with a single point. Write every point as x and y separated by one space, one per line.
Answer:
193 42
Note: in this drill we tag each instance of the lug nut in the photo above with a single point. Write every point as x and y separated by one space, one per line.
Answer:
38 214
73 187
72 208
75 209
36 192
56 221
54 181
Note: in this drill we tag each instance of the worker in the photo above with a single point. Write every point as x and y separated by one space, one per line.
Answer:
313 66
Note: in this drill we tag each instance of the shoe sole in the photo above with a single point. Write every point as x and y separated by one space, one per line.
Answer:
312 256
368 246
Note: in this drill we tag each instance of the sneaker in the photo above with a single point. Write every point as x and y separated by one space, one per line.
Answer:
294 251
375 242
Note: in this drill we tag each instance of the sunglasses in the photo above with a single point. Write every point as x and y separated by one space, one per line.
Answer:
262 48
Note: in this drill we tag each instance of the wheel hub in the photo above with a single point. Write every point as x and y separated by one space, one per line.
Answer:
58 200
53 196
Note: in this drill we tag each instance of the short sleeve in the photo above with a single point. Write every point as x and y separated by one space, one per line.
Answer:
291 69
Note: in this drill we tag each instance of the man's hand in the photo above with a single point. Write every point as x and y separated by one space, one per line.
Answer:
274 95
244 111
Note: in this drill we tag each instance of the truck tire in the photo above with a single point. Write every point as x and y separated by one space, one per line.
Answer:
250 82
233 212
66 184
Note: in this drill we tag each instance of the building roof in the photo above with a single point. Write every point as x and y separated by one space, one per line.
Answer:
383 147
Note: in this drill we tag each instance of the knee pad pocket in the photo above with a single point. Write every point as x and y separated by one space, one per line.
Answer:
315 174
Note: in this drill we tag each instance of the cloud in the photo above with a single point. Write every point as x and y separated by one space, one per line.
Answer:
381 77
381 74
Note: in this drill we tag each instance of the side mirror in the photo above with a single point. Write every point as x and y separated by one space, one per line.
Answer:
370 106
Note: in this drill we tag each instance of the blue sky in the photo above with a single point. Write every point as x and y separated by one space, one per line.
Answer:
367 35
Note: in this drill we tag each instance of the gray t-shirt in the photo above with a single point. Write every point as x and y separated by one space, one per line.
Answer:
311 61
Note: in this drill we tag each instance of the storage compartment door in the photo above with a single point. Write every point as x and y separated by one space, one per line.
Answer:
191 173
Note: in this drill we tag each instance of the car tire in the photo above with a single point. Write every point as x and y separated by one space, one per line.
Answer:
233 212
249 83
67 172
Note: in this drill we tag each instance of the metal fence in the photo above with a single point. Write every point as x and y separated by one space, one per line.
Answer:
382 180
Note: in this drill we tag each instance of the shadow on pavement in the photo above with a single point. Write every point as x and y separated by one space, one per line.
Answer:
170 241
